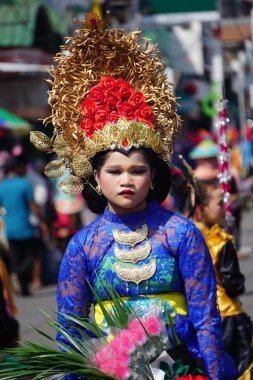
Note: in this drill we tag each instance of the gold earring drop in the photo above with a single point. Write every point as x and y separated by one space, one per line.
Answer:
152 186
98 190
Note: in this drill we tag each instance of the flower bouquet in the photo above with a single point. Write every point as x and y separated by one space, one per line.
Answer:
130 348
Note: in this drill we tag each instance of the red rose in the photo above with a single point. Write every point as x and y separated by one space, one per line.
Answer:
112 98
124 89
89 108
113 117
87 126
145 112
99 125
96 94
187 377
137 98
126 109
101 114
108 83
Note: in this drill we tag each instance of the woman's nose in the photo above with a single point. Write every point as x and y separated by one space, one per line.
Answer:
126 179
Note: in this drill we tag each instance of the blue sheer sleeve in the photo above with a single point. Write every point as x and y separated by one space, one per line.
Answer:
200 288
73 293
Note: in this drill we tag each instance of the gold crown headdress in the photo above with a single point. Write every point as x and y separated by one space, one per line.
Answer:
106 93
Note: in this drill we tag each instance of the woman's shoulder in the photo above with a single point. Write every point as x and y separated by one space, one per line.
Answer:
88 232
174 220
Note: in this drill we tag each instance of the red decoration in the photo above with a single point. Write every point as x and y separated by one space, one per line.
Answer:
111 99
124 142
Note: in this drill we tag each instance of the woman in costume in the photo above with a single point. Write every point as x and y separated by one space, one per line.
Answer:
115 119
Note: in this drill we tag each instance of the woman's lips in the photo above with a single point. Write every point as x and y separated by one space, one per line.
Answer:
127 192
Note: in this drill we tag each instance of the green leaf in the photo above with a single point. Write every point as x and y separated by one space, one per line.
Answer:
176 340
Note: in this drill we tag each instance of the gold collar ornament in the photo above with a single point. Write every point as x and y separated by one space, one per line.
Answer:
137 253
132 237
108 91
136 274
133 255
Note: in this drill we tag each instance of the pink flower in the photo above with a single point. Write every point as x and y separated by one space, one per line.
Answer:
153 325
126 341
122 358
102 356
122 372
108 367
138 334
114 344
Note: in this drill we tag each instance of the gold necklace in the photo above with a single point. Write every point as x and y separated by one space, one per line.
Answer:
133 255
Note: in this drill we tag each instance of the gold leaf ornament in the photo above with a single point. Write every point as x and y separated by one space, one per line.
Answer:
71 185
55 168
61 147
41 141
82 166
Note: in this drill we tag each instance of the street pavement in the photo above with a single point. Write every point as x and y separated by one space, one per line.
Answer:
29 308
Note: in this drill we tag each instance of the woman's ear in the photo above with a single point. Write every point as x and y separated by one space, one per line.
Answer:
153 174
96 176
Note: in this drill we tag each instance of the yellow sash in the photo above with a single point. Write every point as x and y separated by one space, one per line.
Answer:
175 300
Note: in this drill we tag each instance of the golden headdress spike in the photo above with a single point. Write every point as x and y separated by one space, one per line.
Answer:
107 92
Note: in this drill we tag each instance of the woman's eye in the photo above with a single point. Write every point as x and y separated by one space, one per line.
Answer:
114 172
140 171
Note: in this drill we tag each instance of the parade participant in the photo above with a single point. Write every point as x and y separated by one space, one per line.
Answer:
237 328
115 120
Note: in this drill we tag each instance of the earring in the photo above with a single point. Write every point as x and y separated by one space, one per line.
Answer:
98 190
152 186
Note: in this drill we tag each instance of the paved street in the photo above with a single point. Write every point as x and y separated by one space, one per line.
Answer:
28 308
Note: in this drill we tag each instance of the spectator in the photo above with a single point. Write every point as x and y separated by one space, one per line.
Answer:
16 197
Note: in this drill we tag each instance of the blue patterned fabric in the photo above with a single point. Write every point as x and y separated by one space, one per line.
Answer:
183 265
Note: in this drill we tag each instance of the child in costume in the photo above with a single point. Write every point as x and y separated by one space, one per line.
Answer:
115 120
237 328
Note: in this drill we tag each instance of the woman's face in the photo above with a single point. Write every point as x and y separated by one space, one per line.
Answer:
125 181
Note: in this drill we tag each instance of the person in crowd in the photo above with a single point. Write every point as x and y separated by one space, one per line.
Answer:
115 123
206 158
42 197
237 327
16 198
204 205
60 235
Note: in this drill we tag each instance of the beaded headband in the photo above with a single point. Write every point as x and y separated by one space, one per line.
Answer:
107 92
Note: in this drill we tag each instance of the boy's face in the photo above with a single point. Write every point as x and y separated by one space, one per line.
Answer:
214 212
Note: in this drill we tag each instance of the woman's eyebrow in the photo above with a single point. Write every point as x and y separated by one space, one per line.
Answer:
135 166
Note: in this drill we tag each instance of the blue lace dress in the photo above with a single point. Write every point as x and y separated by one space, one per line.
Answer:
183 265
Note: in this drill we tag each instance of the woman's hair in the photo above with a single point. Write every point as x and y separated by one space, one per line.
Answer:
161 183
207 188
181 192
